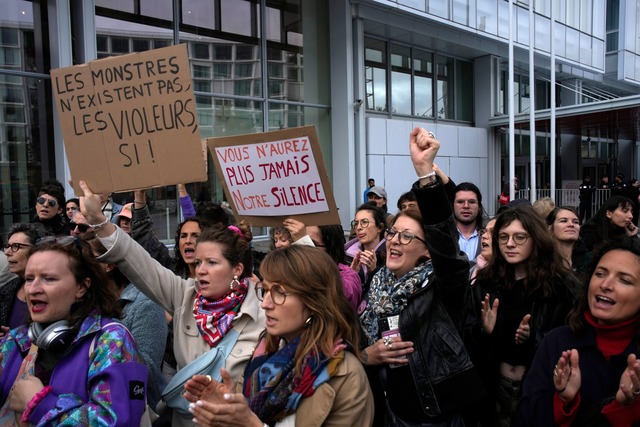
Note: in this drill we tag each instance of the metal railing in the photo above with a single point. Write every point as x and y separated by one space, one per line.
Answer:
568 197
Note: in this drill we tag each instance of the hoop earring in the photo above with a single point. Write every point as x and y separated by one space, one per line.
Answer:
235 282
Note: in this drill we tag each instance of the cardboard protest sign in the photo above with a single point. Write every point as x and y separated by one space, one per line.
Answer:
270 176
130 122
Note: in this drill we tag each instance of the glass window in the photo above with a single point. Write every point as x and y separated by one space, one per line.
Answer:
119 45
439 8
9 37
423 83
162 9
245 52
401 93
487 16
222 71
542 32
375 74
461 11
102 43
464 91
222 52
201 71
202 86
199 13
238 17
444 104
586 16
140 45
200 50
572 41
244 70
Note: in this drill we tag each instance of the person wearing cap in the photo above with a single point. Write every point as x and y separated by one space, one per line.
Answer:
378 195
619 187
123 219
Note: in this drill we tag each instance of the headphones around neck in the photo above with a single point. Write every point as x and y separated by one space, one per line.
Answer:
56 336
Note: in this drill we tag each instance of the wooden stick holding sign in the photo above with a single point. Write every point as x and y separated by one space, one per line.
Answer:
130 122
270 176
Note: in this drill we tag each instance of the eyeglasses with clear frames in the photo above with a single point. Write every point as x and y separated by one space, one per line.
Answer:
363 222
404 237
15 247
518 238
278 294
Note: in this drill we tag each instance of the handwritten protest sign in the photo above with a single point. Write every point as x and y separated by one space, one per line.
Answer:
273 175
130 121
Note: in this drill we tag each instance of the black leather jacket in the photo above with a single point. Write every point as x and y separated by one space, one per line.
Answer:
433 318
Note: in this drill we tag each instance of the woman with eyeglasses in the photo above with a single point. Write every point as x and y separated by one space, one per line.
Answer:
523 293
204 308
305 370
366 252
73 363
413 352
13 305
49 206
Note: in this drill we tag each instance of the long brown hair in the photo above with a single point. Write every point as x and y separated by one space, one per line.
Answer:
312 276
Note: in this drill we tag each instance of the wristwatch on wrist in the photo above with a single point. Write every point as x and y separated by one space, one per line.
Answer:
430 180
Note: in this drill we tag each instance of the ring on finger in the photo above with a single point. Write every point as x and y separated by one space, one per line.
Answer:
387 342
432 135
635 392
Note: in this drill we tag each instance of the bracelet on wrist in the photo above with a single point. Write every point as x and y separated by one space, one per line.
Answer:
97 227
430 174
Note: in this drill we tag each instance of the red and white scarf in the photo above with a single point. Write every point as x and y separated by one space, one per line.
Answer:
214 317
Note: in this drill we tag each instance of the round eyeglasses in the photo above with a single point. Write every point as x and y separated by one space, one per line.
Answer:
518 238
364 223
404 237
278 294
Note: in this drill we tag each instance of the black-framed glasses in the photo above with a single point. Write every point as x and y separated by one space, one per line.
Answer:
278 294
404 237
83 228
518 238
51 202
15 247
363 222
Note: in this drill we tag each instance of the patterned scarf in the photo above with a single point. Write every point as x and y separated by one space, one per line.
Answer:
388 296
214 317
271 385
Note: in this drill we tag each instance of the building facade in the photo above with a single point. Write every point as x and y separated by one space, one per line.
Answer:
364 72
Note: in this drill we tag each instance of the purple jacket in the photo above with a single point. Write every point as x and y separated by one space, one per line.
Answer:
351 285
106 387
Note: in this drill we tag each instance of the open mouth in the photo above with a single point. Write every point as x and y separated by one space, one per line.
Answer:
604 300
37 306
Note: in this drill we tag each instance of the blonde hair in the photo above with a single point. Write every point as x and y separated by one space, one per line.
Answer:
544 206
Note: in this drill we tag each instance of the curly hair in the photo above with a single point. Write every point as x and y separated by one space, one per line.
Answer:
576 319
